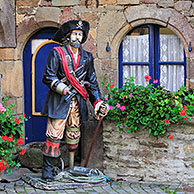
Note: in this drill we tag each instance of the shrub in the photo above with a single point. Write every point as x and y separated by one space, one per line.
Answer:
11 136
135 107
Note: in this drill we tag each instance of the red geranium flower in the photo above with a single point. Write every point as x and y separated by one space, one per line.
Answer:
112 85
17 120
185 107
2 165
167 122
20 141
171 137
4 137
10 139
147 77
185 118
22 152
183 112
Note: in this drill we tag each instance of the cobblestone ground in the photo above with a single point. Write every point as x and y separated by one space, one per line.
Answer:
21 187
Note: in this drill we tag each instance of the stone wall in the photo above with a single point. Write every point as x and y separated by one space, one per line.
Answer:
142 157
109 23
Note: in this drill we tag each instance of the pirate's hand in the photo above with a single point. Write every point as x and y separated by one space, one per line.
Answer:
101 109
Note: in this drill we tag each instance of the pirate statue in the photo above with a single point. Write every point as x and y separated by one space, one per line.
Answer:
71 77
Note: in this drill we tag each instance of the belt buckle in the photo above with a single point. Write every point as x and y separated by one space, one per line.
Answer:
74 98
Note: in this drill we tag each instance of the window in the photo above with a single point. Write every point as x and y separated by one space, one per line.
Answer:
156 51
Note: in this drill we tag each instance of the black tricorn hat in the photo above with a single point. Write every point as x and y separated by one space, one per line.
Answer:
67 27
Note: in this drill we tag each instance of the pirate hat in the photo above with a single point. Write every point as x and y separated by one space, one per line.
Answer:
67 27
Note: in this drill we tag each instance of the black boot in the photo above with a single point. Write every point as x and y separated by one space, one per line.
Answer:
50 153
47 168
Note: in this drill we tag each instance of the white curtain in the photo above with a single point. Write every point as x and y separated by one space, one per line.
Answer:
136 49
171 49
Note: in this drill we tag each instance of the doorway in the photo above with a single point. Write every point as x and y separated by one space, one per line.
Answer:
35 127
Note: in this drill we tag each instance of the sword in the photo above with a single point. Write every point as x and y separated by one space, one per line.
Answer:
74 92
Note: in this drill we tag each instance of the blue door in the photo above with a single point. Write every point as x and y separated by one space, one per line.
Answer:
34 59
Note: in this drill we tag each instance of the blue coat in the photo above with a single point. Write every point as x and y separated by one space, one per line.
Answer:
55 105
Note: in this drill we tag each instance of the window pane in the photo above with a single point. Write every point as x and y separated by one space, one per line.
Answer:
171 47
137 71
172 76
136 46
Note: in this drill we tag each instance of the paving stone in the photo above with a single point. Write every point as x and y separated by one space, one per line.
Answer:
127 188
117 187
99 190
71 191
1 186
147 189
108 189
54 192
10 191
89 190
31 190
11 186
141 188
158 190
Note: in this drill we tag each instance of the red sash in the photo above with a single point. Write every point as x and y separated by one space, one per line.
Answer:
75 84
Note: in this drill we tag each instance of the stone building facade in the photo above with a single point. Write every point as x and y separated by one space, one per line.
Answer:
109 23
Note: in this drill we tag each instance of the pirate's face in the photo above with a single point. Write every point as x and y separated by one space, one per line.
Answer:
76 38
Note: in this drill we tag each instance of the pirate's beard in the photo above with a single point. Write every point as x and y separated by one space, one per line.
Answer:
75 43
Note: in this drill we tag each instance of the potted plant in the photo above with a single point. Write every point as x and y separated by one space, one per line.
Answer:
11 136
149 107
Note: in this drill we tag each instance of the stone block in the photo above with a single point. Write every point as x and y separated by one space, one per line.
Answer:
45 3
91 18
179 22
19 104
7 54
107 29
128 2
93 33
29 3
189 148
65 2
166 4
44 14
103 2
33 157
138 12
152 21
90 45
25 27
12 82
149 1
67 15
183 5
192 84
19 18
192 21
25 10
